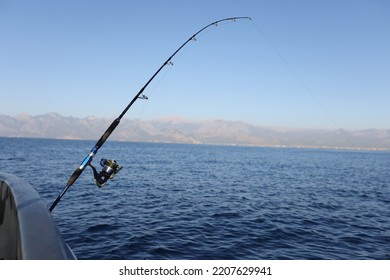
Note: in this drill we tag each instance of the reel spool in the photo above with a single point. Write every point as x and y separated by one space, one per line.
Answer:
109 168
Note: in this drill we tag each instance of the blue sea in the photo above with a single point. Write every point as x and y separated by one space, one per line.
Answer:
173 201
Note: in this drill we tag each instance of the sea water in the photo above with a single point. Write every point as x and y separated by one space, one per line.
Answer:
173 201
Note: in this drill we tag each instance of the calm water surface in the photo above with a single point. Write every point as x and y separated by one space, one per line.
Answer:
213 202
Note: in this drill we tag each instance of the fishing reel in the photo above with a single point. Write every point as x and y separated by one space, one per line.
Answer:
109 169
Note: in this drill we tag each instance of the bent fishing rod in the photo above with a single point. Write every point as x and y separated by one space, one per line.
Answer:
110 167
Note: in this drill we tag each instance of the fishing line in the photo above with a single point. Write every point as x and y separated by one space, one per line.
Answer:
162 78
157 84
165 73
302 82
149 96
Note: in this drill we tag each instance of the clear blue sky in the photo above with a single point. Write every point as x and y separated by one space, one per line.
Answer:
322 64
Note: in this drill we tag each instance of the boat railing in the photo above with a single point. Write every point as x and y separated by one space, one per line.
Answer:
27 229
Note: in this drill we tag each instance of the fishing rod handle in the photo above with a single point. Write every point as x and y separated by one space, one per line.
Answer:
107 134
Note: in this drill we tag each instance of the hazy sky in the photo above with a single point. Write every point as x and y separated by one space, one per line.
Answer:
298 63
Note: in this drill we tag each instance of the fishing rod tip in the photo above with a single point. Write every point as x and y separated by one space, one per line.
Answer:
238 18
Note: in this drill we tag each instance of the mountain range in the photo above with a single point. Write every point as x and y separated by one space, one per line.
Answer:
181 130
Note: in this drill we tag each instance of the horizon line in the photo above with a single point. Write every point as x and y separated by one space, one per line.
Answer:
189 119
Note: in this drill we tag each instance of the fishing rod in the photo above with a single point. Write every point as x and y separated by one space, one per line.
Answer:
110 167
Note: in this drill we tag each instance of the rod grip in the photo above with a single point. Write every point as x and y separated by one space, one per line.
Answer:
107 133
74 176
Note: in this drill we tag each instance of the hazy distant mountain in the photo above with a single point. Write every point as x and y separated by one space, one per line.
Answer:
180 130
